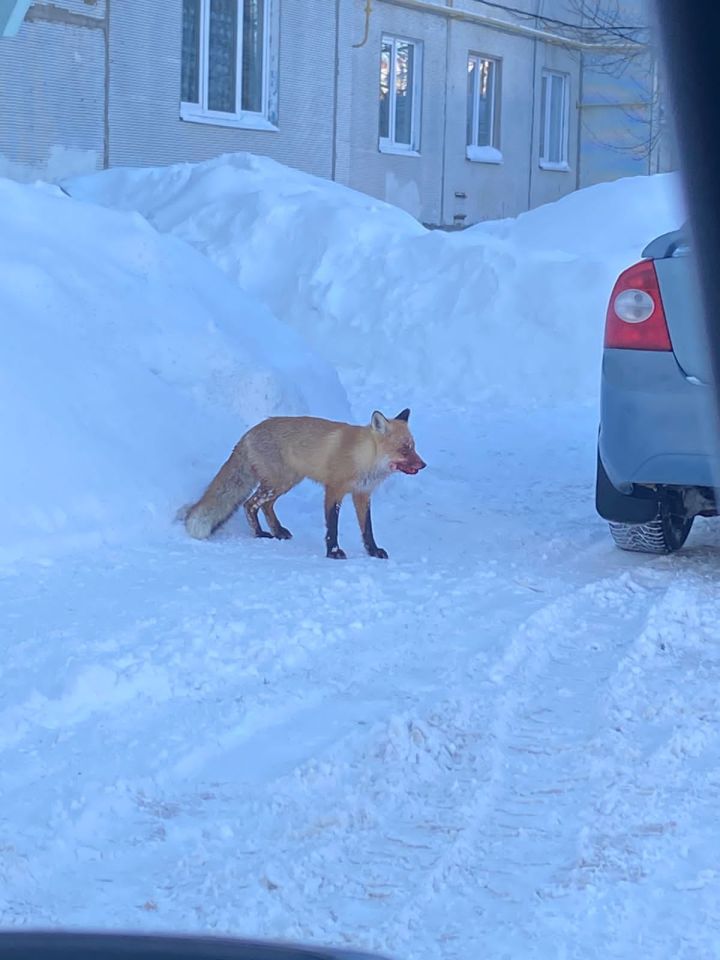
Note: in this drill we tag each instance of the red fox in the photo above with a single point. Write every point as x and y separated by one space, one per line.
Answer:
278 453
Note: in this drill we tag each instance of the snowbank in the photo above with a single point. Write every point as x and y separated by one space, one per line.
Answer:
510 311
130 365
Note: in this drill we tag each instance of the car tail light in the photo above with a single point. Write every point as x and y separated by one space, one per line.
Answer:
635 316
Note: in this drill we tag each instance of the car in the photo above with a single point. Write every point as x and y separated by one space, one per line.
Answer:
657 462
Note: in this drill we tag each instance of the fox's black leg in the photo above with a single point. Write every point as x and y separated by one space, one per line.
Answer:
332 512
362 509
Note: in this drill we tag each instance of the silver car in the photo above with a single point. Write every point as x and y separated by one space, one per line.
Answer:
657 461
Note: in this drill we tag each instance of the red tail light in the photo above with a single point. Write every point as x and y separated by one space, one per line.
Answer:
635 316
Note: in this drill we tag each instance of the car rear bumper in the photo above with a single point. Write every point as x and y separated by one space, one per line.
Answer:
655 423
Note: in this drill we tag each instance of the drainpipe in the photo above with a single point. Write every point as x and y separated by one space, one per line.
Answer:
368 11
106 106
531 165
654 148
578 155
443 167
333 161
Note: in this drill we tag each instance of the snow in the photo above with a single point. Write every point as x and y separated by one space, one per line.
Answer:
130 367
440 317
483 154
502 742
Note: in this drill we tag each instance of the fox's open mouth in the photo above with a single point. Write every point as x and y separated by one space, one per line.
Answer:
406 468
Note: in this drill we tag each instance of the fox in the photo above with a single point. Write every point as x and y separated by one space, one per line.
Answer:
276 454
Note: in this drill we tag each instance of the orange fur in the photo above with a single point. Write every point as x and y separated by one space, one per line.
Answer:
278 453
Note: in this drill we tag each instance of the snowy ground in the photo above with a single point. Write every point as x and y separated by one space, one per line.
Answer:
501 743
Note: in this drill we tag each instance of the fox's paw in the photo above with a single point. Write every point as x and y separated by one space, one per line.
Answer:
378 552
335 553
263 535
282 533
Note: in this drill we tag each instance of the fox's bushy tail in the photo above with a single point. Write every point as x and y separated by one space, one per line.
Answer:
232 486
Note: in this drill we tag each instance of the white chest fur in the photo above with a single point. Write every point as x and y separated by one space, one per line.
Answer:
368 481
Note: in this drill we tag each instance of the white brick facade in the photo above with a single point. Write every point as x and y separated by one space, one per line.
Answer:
92 83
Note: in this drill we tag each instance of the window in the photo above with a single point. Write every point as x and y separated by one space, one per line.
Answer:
483 109
400 73
226 67
554 121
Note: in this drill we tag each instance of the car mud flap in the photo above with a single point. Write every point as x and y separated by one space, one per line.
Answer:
621 507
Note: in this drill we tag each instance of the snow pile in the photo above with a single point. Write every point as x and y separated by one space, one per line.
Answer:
510 311
131 365
610 221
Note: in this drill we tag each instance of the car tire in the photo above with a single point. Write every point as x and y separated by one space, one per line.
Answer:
665 534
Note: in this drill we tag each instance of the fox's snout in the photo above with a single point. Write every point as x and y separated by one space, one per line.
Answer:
411 465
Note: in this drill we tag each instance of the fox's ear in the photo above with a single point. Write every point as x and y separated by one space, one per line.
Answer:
379 422
404 415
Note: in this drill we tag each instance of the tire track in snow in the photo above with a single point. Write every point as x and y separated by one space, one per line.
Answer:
353 802
363 835
653 825
446 775
545 834
142 678
122 719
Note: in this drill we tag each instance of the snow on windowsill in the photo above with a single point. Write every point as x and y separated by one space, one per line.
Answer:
563 167
484 154
241 121
386 146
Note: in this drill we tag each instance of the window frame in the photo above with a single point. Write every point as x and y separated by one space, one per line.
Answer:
486 152
389 144
544 162
264 119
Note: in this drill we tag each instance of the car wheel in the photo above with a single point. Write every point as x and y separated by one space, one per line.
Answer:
665 534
